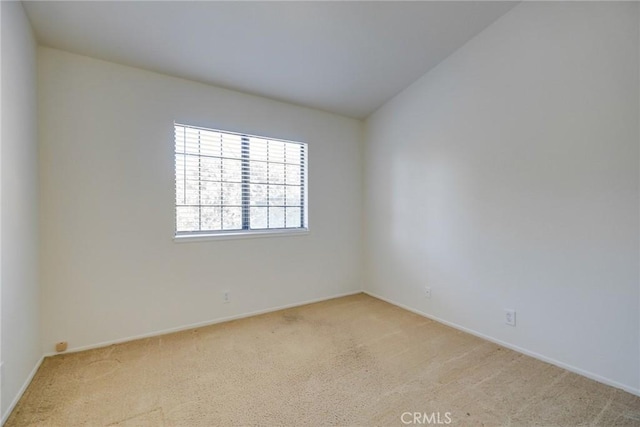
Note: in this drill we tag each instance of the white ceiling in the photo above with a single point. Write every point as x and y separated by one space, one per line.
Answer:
343 57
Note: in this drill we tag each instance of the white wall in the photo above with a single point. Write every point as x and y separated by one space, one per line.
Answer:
21 349
110 267
507 177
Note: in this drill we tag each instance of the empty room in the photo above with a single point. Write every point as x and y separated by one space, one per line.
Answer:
367 213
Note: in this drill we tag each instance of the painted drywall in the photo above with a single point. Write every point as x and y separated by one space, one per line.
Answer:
110 267
508 178
21 345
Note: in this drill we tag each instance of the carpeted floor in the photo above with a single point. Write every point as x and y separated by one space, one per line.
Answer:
349 361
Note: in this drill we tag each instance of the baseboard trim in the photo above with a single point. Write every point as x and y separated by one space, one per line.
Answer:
201 324
17 398
530 353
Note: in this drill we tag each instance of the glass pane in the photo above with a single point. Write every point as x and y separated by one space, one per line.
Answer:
210 193
276 151
187 219
292 153
192 193
210 144
293 174
211 219
276 173
180 193
258 194
258 172
276 217
180 166
179 179
231 170
293 196
231 194
258 149
231 218
293 217
192 141
232 146
179 137
210 168
192 166
276 195
258 218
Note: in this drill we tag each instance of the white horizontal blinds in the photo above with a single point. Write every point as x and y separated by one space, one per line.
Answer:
276 183
227 181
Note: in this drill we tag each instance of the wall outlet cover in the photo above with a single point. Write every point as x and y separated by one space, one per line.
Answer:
510 317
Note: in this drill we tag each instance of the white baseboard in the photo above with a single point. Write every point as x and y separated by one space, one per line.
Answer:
201 324
16 399
533 354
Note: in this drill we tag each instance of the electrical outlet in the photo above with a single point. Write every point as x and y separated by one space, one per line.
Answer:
510 317
427 292
225 297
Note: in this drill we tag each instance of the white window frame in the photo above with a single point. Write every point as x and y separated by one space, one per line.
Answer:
198 236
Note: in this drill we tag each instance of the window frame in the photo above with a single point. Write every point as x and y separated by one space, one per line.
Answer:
205 235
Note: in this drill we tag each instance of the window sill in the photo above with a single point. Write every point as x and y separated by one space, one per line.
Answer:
232 235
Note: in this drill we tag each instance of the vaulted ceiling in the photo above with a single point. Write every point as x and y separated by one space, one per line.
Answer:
343 57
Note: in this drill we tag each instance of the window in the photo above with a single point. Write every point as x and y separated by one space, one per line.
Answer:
228 183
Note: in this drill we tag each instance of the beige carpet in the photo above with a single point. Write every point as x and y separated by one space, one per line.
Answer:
349 361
